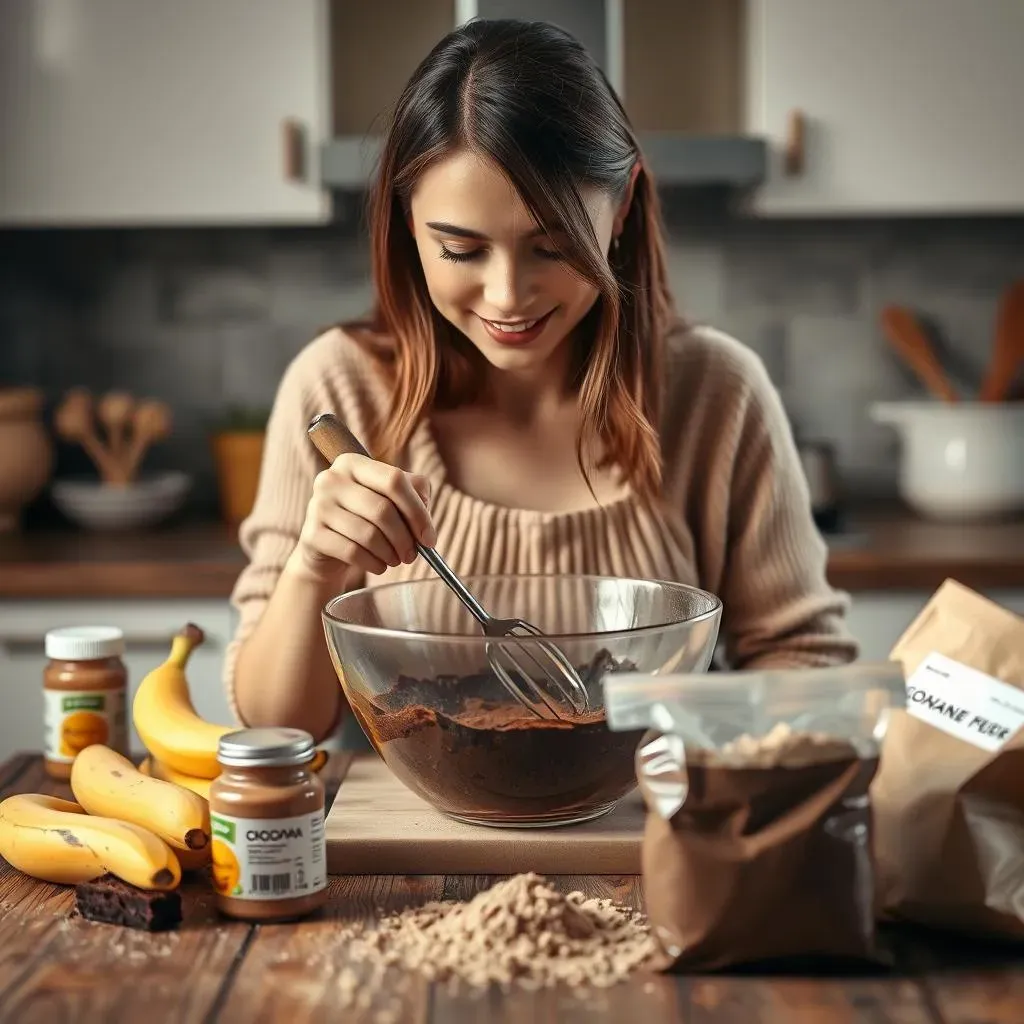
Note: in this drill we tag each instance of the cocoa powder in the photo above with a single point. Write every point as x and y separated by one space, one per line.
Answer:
448 739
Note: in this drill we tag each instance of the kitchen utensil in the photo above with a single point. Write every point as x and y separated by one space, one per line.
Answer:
911 343
561 681
131 428
1008 346
378 826
115 411
414 669
959 461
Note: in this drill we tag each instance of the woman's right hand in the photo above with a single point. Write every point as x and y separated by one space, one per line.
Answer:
363 514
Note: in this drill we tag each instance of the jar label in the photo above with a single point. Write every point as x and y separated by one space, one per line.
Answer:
268 858
73 721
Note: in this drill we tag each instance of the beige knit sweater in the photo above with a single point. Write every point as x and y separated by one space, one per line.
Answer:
740 522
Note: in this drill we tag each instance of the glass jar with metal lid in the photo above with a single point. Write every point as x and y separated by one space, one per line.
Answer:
85 693
267 822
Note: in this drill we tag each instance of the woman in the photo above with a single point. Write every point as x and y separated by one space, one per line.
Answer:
525 375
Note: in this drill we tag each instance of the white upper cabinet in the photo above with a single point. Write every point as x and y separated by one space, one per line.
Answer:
251 111
162 111
910 106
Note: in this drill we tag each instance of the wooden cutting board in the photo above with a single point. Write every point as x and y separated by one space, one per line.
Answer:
376 826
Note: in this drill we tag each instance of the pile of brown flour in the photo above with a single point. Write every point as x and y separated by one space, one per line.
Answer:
520 932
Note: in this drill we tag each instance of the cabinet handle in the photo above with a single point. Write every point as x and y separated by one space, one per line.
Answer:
29 643
293 147
794 150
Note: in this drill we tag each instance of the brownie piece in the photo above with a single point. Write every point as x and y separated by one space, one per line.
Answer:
112 901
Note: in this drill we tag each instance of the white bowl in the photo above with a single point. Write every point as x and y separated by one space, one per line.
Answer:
100 506
962 460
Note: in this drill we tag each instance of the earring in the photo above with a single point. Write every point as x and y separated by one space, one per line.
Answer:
615 245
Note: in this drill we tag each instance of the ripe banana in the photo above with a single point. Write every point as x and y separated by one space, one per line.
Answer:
158 770
106 783
56 841
167 721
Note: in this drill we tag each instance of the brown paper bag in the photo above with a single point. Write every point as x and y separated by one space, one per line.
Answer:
763 864
757 842
948 798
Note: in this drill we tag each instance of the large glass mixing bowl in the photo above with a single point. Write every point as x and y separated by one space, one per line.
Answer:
413 664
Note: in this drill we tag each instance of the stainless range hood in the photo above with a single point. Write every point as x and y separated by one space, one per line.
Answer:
676 160
679 65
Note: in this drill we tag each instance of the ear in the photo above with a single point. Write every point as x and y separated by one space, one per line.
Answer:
627 201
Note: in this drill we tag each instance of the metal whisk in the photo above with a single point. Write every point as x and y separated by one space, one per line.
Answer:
562 682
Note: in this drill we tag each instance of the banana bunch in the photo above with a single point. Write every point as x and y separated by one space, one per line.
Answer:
144 830
108 785
56 841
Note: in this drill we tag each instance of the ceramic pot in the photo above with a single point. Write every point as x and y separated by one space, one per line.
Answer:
26 452
959 460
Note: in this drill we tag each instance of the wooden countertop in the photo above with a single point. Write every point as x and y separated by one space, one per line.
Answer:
56 967
883 550
191 560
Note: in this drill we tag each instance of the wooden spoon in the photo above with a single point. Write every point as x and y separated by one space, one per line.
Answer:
115 413
1007 347
74 422
151 422
912 344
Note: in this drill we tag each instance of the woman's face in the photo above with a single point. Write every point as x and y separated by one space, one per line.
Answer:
489 268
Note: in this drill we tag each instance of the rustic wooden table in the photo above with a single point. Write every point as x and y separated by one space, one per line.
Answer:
55 968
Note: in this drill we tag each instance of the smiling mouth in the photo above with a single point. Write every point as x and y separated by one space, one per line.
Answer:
515 326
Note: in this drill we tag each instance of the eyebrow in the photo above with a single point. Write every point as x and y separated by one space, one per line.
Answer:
457 232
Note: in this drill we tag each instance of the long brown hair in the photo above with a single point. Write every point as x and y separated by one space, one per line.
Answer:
528 96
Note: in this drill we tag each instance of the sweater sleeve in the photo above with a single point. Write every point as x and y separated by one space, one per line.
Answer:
289 465
779 609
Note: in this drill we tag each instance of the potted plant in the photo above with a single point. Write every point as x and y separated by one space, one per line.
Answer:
237 445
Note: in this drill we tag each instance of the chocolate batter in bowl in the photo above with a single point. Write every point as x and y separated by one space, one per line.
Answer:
413 666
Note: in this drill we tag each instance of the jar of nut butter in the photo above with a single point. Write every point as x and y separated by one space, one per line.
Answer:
267 823
85 693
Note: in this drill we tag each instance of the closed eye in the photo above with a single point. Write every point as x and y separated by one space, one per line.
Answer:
459 257
465 257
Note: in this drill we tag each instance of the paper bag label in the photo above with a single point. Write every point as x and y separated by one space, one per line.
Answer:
964 702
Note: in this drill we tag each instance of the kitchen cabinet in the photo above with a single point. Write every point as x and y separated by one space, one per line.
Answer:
121 112
878 618
910 107
148 627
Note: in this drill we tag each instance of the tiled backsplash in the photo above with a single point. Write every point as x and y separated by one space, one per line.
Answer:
208 318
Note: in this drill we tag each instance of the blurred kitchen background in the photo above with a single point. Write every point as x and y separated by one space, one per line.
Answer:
181 191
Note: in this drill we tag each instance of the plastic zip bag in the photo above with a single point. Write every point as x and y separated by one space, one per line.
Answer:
728 712
710 711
